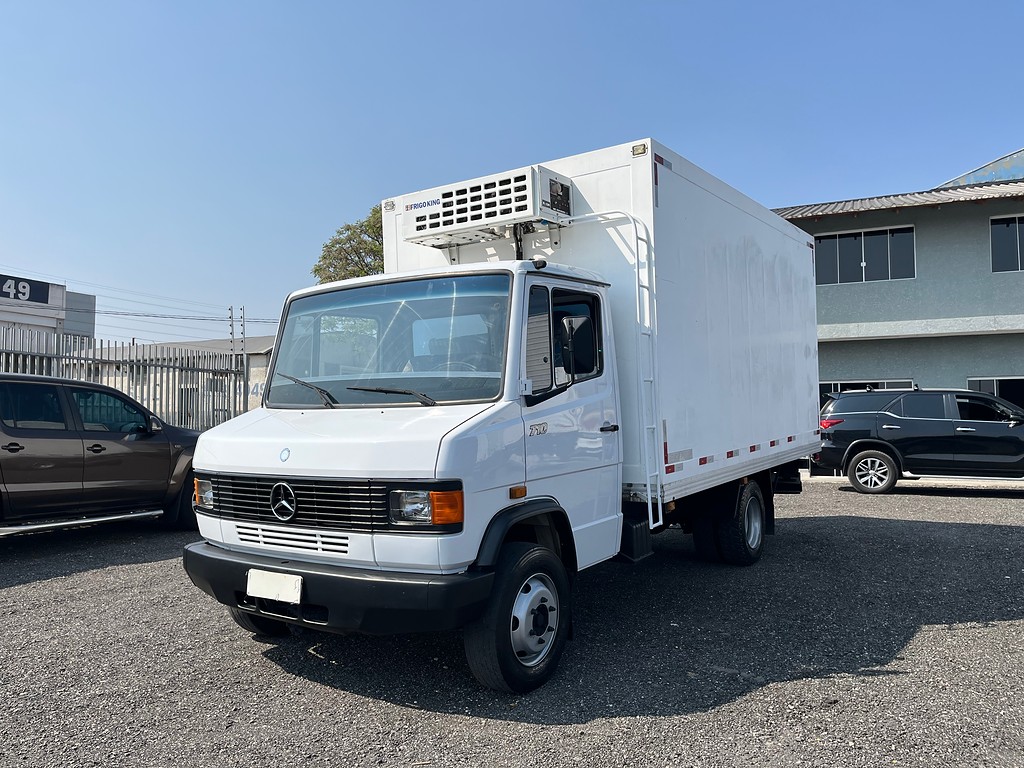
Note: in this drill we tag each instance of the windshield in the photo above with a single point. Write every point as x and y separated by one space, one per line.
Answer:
416 342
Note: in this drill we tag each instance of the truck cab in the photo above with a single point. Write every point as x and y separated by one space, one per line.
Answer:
409 428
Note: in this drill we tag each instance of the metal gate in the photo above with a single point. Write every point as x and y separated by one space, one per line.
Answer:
191 388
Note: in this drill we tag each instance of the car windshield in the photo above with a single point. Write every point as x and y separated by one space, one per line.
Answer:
415 342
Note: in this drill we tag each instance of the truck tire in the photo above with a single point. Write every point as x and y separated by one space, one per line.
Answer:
872 472
258 625
516 644
741 533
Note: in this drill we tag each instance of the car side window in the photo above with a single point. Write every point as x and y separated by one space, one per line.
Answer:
977 409
921 405
31 406
103 412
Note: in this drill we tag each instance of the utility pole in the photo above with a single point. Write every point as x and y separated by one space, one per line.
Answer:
234 389
245 369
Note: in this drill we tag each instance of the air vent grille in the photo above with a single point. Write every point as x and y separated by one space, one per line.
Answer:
478 210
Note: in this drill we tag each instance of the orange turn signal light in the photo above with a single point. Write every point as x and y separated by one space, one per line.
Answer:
517 492
447 507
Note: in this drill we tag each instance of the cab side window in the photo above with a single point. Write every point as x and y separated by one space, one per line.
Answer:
103 412
31 406
546 341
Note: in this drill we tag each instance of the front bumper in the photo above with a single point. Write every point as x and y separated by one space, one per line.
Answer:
344 599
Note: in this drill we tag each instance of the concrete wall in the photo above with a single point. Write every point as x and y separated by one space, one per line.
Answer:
80 319
955 320
934 362
954 268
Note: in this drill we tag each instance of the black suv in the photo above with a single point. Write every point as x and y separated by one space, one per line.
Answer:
74 453
875 436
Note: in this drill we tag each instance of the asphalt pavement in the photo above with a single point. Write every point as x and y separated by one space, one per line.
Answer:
875 631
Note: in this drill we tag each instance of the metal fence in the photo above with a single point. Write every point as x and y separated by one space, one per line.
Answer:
191 388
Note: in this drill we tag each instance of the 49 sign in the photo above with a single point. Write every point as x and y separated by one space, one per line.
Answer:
20 289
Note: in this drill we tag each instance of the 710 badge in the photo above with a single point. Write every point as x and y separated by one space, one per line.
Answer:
20 289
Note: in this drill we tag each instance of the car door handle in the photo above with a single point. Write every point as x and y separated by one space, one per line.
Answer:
890 426
965 429
96 448
610 428
13 447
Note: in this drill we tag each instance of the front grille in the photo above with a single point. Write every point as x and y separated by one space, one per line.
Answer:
286 538
337 505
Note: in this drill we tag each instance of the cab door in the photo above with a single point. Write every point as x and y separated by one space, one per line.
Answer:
40 452
571 416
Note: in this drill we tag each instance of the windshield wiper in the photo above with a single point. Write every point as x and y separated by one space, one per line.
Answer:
329 400
424 399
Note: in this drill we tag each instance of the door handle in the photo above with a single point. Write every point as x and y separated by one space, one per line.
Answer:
890 426
96 448
610 428
965 429
13 447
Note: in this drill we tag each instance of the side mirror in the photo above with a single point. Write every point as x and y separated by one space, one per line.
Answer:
579 347
155 425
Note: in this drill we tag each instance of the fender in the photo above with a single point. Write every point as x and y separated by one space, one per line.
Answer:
508 518
182 468
869 443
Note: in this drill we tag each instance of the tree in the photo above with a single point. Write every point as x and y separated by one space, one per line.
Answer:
355 250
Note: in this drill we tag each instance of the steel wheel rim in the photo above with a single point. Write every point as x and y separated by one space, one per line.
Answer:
534 621
753 520
872 473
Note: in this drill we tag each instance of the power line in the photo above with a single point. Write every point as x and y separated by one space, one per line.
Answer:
109 287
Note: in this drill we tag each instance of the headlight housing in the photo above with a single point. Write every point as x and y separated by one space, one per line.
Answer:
427 509
203 496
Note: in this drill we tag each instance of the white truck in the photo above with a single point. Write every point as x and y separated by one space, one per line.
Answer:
558 362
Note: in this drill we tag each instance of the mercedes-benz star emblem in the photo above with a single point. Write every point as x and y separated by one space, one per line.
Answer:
282 502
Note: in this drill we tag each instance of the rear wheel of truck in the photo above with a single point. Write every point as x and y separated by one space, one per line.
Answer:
741 534
516 644
258 625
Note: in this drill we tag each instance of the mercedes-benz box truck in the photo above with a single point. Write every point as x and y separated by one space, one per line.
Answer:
558 362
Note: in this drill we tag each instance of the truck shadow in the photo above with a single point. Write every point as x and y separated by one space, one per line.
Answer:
673 635
26 558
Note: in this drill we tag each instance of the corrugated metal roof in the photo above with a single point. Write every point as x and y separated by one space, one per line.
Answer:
908 200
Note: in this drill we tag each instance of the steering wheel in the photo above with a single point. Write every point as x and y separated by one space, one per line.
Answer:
455 365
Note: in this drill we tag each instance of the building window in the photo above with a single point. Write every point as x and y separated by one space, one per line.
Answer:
1008 244
862 257
824 387
1009 388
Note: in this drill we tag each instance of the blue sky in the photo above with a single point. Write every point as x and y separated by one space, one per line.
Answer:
181 157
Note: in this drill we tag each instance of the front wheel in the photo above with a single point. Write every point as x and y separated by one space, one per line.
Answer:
258 625
516 644
872 472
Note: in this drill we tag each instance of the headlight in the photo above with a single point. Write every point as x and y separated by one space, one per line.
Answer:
427 507
204 494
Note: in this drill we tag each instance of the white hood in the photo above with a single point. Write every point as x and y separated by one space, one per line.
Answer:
339 442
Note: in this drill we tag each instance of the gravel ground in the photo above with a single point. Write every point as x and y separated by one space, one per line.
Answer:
875 631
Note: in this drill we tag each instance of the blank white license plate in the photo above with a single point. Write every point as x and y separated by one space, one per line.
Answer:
283 587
